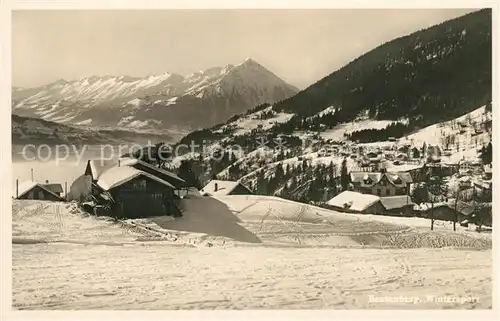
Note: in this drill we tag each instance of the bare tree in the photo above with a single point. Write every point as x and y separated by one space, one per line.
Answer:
457 194
436 189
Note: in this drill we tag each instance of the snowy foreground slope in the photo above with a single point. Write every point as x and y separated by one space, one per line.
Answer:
242 253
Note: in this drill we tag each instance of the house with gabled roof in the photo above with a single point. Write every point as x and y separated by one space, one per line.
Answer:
354 202
400 205
137 193
381 183
224 188
31 190
164 174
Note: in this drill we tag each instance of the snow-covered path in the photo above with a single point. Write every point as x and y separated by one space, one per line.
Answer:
158 276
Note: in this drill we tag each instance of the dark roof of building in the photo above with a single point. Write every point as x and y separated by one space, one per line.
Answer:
393 202
54 188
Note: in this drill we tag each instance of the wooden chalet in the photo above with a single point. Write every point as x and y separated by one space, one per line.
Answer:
159 172
135 193
399 205
35 191
129 188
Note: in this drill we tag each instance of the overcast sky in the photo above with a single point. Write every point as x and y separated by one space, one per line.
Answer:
300 46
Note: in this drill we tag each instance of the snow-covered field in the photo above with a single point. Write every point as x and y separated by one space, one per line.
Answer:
337 133
242 252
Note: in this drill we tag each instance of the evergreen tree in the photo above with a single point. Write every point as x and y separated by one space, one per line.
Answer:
344 176
486 154
185 171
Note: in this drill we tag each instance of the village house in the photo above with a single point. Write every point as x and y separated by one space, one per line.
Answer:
136 193
131 187
165 175
414 170
223 188
354 202
445 211
469 166
35 191
381 183
400 205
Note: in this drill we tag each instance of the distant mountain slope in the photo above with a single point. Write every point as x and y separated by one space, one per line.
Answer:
26 130
164 101
431 75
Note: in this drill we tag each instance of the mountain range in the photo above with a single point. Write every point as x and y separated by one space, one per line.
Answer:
165 101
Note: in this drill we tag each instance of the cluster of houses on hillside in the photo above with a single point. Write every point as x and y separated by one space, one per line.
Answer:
130 187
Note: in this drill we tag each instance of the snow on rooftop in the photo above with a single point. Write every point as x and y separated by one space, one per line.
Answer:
27 186
116 176
354 200
223 187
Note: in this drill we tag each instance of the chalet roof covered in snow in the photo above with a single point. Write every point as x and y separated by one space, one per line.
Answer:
353 201
96 167
393 202
128 161
118 175
27 186
365 177
221 188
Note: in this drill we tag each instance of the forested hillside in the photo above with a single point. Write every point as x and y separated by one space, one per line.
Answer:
429 76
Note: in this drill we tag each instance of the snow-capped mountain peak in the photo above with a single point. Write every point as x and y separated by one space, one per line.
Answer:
131 101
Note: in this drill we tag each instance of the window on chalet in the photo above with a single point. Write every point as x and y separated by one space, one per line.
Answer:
379 192
140 184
